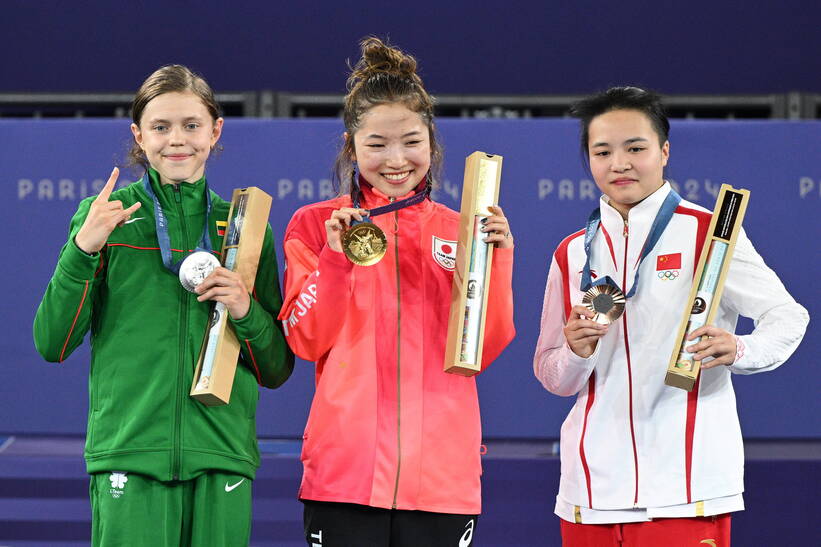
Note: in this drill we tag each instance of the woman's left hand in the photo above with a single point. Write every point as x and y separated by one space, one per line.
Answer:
497 228
716 343
227 287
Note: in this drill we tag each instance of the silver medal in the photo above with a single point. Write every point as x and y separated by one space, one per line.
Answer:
196 267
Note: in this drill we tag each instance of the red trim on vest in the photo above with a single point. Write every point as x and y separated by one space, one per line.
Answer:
591 395
609 244
632 425
73 323
100 267
630 376
692 407
703 218
253 361
561 260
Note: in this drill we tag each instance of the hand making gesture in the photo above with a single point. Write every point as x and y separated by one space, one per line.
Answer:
103 217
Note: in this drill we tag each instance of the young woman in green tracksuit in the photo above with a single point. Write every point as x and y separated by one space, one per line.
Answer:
165 469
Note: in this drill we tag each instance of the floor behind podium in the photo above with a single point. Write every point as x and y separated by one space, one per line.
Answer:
44 494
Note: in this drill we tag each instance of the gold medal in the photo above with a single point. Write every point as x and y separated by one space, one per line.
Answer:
364 244
606 301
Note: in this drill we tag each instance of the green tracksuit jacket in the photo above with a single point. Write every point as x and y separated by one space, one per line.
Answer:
146 333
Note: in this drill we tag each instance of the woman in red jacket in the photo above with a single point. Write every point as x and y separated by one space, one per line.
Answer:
391 447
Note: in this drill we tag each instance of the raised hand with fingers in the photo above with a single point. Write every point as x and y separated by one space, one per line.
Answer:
103 217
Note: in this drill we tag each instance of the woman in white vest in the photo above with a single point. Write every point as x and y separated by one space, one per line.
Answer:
644 463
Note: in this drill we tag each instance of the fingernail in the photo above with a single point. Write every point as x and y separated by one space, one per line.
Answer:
484 220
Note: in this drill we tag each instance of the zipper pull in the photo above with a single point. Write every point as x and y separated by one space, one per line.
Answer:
177 195
395 218
626 230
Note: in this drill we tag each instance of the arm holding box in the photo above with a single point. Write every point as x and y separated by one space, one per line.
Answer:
753 290
262 342
499 328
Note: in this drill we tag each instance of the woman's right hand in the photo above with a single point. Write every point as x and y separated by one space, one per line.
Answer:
103 216
582 333
339 222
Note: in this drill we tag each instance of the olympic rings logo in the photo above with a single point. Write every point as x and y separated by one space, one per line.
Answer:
668 275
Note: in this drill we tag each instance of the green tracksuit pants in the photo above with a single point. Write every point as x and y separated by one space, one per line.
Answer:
212 510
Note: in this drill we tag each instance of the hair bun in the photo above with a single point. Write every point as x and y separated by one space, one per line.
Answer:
380 58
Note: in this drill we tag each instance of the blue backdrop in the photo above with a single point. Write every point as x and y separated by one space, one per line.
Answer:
464 46
48 166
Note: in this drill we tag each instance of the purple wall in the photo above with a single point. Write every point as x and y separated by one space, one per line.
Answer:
699 46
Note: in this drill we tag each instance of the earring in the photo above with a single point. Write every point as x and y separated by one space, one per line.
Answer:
354 185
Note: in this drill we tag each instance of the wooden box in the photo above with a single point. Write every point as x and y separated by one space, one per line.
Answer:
466 325
708 282
217 363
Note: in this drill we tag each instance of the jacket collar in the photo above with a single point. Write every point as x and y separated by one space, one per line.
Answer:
372 197
639 218
192 194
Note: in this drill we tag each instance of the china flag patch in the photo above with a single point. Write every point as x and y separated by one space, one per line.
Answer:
221 225
668 262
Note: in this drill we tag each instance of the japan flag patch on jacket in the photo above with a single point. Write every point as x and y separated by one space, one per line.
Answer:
444 253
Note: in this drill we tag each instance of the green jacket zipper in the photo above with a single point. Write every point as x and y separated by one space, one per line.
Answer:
398 358
175 464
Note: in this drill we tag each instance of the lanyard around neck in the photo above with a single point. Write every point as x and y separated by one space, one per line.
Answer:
418 197
162 226
663 217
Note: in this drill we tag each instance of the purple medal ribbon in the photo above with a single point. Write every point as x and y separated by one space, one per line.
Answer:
418 197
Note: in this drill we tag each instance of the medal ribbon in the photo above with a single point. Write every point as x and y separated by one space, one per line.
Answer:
661 221
418 197
162 227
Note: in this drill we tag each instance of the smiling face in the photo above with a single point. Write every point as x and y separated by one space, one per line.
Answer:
392 149
177 133
626 158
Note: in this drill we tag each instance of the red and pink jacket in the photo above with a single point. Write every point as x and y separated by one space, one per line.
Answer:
388 428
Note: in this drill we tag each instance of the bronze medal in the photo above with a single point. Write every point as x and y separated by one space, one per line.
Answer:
606 301
364 243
